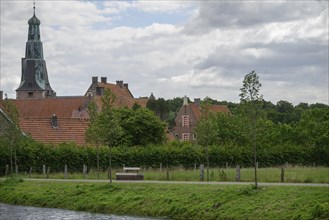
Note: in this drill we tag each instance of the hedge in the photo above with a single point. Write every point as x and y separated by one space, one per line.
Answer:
32 154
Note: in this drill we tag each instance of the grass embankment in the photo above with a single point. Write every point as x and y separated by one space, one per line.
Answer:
175 201
292 174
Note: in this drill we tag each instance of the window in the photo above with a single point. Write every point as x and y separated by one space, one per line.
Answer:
99 91
185 120
186 136
30 94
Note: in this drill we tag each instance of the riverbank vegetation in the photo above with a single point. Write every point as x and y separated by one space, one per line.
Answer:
174 201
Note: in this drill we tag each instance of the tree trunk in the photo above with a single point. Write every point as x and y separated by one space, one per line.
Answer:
11 160
255 151
97 149
110 164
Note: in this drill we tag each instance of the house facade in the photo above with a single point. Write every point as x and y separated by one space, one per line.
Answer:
188 117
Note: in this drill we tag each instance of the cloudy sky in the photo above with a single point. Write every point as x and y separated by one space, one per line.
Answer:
175 48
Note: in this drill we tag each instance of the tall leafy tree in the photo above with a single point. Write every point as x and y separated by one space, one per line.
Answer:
206 131
141 127
104 127
313 130
13 134
251 99
93 131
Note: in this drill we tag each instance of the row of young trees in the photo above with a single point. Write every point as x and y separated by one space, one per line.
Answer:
30 154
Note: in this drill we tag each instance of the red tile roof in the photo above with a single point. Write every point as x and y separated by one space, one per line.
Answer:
196 109
68 129
44 108
119 91
71 112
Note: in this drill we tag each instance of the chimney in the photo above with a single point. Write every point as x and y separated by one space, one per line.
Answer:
95 79
120 83
104 79
125 85
197 101
54 122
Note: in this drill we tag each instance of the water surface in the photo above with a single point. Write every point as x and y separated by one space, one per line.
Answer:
15 212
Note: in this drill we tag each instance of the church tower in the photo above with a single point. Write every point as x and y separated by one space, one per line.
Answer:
34 81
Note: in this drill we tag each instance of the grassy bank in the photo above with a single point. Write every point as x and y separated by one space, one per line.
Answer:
173 201
273 174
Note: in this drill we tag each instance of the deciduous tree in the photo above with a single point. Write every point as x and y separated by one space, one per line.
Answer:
250 99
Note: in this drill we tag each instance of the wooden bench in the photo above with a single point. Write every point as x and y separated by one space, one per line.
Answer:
130 173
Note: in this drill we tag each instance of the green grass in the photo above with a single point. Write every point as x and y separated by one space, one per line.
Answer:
176 201
292 174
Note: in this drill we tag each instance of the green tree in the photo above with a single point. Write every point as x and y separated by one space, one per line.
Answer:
251 99
313 130
159 107
206 131
174 106
229 129
105 127
93 130
141 127
13 135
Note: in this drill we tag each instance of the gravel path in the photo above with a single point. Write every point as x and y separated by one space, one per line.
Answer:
178 182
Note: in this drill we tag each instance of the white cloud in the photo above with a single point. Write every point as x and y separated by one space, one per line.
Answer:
206 55
163 6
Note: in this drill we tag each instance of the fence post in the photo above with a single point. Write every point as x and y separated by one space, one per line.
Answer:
44 169
194 167
7 170
282 174
30 172
48 170
167 171
65 171
238 174
84 171
161 167
201 172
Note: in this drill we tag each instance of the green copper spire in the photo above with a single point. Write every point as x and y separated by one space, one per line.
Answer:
34 81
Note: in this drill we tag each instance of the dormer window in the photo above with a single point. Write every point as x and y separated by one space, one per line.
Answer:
99 91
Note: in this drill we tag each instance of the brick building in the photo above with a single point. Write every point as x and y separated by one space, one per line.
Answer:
188 116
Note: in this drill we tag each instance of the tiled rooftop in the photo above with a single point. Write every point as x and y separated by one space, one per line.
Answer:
43 108
212 108
68 129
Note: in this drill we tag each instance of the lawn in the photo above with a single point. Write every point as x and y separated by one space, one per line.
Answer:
292 174
175 201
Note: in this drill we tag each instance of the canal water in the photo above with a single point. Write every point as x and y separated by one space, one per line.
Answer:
14 212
